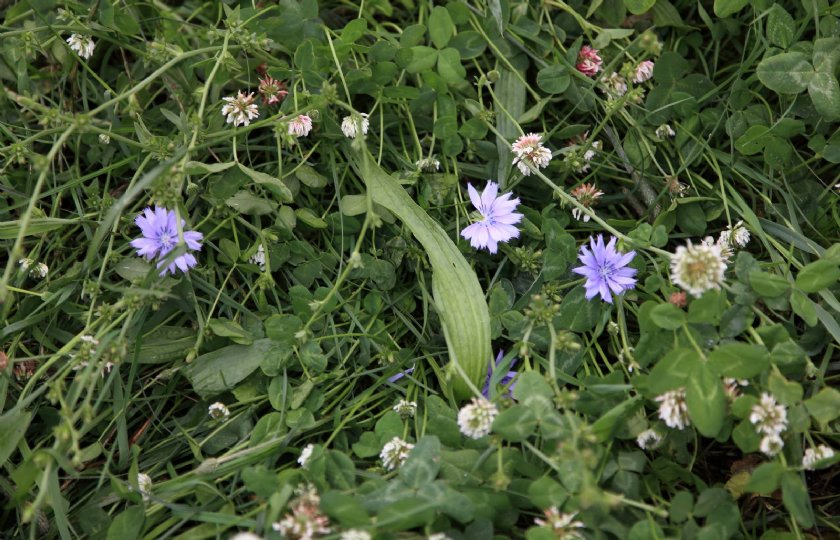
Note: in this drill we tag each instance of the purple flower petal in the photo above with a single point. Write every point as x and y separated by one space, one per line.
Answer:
605 269
498 218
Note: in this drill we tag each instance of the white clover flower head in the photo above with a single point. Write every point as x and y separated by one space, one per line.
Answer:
768 417
394 453
771 444
439 536
648 439
40 271
673 410
735 236
429 164
240 109
405 408
26 263
90 340
82 45
530 152
563 525
258 258
144 485
732 387
305 520
476 418
814 455
725 250
104 138
355 534
300 125
664 131
245 535
305 455
614 85
698 268
643 72
351 126
218 411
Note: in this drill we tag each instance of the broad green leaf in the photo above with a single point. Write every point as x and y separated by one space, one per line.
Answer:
128 524
309 176
9 230
554 79
637 7
787 392
533 391
824 91
780 27
753 140
672 370
796 499
667 316
604 428
249 204
272 184
309 217
218 371
516 423
545 492
13 425
166 344
449 65
423 463
196 167
765 479
824 406
344 508
804 307
510 95
705 400
577 313
459 298
441 27
423 59
354 30
786 73
739 360
817 276
725 8
767 284
826 54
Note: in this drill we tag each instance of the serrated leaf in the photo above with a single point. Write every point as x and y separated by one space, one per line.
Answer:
705 400
786 73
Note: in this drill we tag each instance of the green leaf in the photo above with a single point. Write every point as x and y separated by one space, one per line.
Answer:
516 424
753 140
637 7
367 445
780 27
423 59
196 167
423 463
249 204
9 230
605 427
804 307
825 94
786 73
554 79
282 328
354 30
739 360
13 425
128 524
705 400
767 284
817 276
309 176
826 54
449 65
459 297
765 479
533 391
441 27
577 313
667 316
307 216
344 508
220 370
796 500
672 370
272 184
725 8
824 406
787 392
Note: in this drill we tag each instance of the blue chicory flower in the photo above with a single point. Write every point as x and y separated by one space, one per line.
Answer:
498 218
506 378
160 236
605 269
